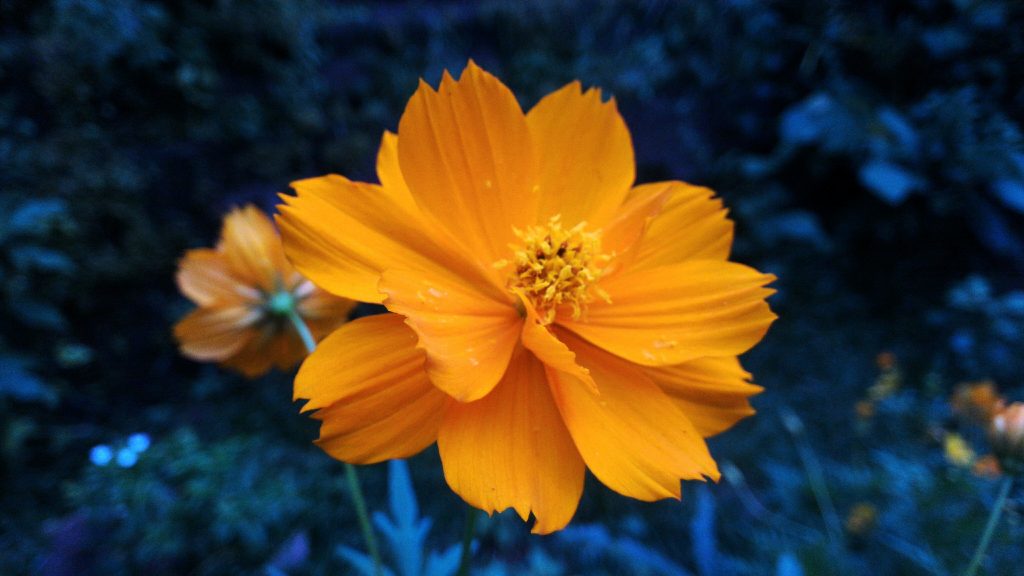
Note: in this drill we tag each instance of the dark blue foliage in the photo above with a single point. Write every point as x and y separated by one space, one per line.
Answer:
888 181
702 533
405 534
595 545
18 383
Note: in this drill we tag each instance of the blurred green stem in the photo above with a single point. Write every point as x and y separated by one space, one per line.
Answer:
356 491
990 527
300 326
354 487
467 540
816 478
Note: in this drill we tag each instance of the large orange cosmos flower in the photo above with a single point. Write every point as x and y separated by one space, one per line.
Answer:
546 315
245 290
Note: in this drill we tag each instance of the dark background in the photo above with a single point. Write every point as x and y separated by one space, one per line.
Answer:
871 153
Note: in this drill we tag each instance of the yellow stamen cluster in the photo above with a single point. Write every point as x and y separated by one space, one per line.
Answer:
555 266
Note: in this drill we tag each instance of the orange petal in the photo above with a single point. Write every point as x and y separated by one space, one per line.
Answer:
376 403
342 234
630 434
390 173
205 278
584 155
677 313
511 449
216 333
287 348
712 392
253 249
468 334
548 348
274 344
321 310
619 235
466 156
692 225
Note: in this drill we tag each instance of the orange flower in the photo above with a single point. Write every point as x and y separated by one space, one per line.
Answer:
1006 435
245 290
987 466
977 401
547 316
865 409
889 381
861 519
885 361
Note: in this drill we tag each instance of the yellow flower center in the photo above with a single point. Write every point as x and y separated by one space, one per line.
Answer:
555 266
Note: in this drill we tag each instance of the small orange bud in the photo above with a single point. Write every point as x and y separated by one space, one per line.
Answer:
987 467
861 519
885 360
865 409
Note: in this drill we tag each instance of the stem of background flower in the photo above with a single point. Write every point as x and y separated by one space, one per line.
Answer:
364 519
354 487
467 540
759 511
300 326
990 527
816 478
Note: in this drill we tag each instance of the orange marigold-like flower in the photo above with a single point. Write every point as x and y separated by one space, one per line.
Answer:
246 290
547 315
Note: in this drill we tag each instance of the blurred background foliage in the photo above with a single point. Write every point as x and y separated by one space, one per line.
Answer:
871 154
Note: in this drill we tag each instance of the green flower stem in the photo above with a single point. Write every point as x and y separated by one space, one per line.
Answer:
467 540
819 487
351 474
990 527
300 326
356 491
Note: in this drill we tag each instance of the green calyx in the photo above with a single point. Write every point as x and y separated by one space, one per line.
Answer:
281 303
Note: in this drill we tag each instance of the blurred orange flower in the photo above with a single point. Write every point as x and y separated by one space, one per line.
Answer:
885 361
861 519
1007 437
889 380
987 466
547 315
245 291
865 409
977 401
